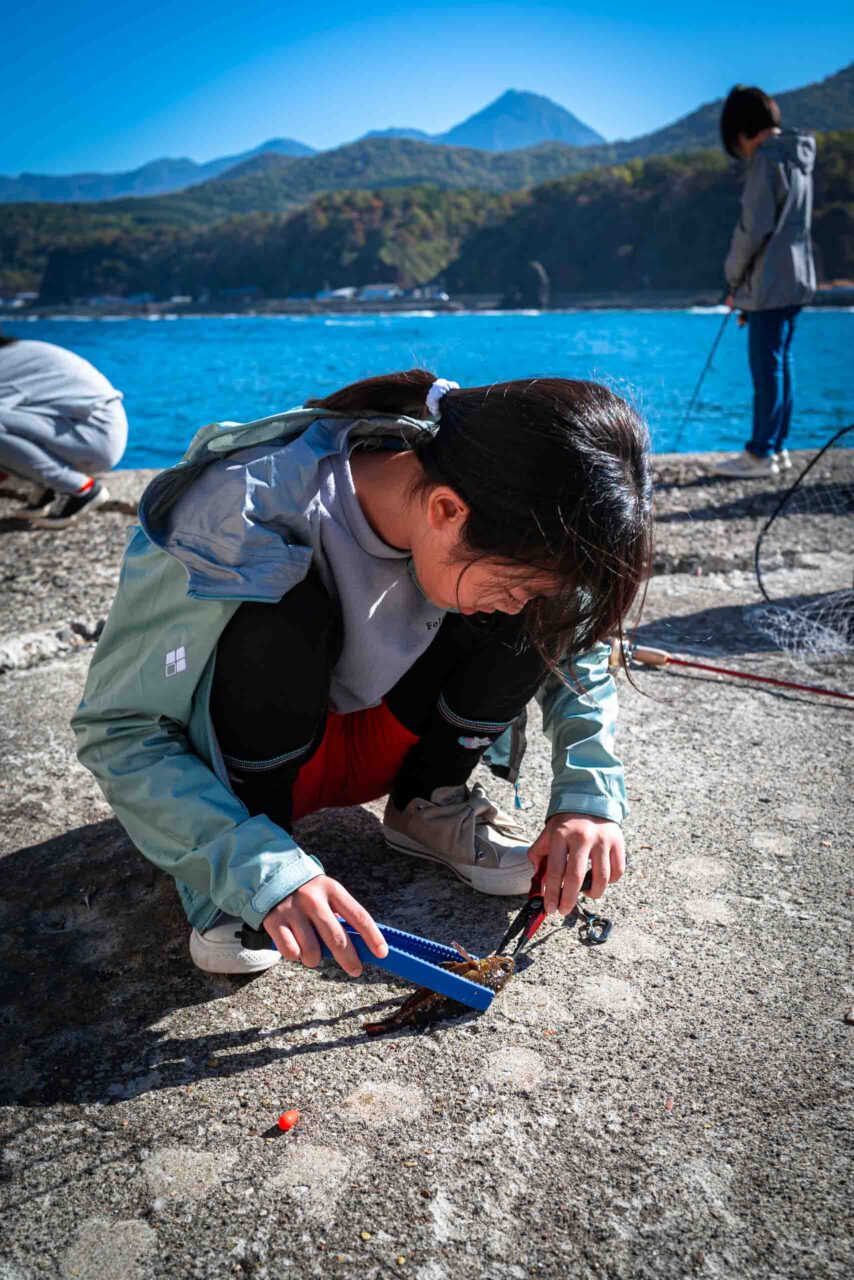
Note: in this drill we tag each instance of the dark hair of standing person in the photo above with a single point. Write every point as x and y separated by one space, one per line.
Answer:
747 110
557 477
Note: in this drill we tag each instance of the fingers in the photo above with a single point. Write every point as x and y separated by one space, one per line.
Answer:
618 859
567 846
309 947
555 871
600 868
335 936
356 915
576 870
284 940
566 869
307 916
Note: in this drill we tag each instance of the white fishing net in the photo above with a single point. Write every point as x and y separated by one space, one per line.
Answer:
805 561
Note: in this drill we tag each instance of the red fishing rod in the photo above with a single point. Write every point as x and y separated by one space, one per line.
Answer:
661 658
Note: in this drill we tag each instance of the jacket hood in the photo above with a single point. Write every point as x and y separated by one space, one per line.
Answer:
236 513
791 147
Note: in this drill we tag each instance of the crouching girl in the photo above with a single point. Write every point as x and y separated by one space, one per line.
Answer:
359 598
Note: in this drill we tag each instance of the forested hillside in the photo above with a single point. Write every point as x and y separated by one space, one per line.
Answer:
660 223
408 234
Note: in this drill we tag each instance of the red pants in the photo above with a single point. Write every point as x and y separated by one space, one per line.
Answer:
357 760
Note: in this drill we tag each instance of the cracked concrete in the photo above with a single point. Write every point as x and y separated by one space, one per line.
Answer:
675 1103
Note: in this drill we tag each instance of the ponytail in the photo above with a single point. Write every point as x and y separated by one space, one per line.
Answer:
394 393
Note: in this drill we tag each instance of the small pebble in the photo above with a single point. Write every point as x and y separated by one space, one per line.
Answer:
365 1235
668 1106
849 1017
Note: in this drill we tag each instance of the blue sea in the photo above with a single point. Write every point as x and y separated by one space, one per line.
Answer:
178 373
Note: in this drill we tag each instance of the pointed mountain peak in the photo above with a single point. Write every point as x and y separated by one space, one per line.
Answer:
519 118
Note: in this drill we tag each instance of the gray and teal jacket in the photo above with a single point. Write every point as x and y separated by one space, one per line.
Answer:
770 260
144 726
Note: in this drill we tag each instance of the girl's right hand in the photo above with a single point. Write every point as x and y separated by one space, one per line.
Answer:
294 925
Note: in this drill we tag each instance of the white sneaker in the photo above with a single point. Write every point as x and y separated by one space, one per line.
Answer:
219 950
784 462
465 832
746 466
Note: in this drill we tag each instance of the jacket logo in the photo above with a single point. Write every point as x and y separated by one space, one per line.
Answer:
176 661
472 744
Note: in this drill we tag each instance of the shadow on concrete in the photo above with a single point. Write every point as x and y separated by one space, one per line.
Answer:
824 499
719 631
8 525
97 958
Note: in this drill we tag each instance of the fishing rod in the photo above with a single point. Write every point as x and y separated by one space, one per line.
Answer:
706 367
661 658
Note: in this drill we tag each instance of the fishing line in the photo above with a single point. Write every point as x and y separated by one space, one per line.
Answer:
706 367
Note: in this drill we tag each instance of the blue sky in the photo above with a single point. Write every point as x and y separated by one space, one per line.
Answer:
109 86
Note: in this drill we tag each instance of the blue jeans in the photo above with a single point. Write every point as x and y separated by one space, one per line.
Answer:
772 370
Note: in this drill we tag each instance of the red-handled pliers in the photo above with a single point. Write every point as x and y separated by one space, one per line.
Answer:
594 929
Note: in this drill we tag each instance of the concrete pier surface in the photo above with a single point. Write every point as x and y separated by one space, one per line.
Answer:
675 1103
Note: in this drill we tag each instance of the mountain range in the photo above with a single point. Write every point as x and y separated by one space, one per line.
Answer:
518 140
155 178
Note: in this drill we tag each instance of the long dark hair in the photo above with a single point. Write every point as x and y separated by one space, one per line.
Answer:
556 474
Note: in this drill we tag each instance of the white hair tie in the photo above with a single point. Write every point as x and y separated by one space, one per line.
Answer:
439 388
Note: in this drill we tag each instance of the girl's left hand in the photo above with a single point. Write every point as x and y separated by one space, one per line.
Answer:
568 842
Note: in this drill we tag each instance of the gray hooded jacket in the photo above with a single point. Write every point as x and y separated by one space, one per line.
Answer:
770 260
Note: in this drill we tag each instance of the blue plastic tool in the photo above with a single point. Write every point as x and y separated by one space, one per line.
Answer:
416 959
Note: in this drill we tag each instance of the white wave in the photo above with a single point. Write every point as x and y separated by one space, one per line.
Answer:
409 315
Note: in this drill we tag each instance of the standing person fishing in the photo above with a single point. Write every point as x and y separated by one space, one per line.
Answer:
358 598
769 267
62 425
